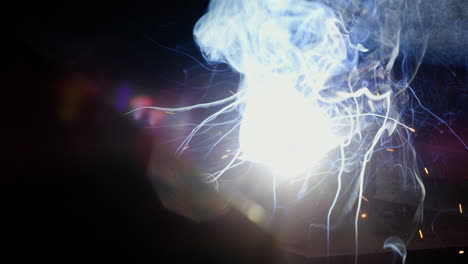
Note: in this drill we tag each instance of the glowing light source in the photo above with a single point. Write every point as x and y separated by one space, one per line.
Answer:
421 234
312 86
461 252
426 170
460 208
289 139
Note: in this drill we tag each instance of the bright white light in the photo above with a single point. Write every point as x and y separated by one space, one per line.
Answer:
283 129
315 76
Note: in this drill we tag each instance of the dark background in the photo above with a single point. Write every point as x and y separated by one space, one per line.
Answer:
75 186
